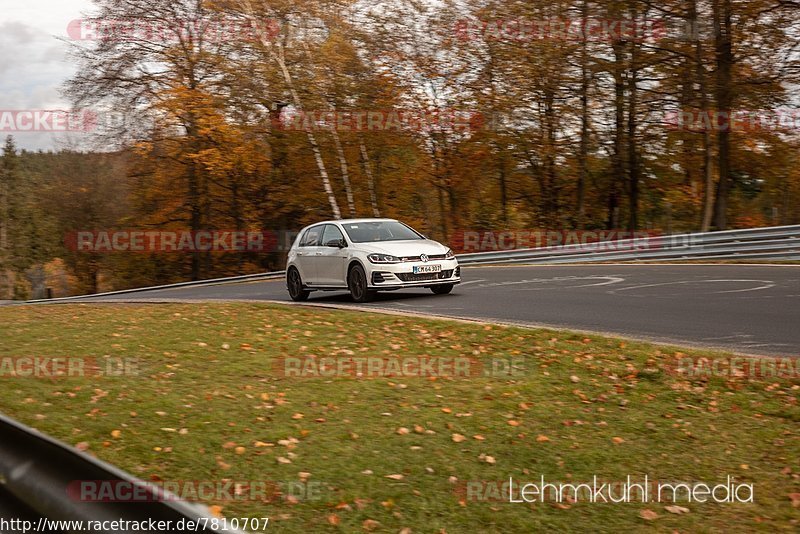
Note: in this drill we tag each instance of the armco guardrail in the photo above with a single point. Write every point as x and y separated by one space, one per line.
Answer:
37 474
214 282
779 243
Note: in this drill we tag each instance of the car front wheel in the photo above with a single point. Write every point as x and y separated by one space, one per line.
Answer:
443 289
357 284
295 286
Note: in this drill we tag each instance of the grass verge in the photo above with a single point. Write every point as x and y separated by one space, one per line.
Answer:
386 454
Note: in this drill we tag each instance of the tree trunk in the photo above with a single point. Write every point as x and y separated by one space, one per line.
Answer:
633 150
195 208
550 193
3 218
312 139
337 142
499 153
708 170
373 196
583 151
723 39
94 271
503 188
617 158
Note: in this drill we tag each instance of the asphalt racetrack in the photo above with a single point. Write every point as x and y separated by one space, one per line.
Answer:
750 309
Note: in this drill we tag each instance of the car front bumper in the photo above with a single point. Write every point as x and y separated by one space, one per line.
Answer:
401 275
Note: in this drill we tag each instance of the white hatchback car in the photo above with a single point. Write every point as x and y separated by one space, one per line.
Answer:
365 256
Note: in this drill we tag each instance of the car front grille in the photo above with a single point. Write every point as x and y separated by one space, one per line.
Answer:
430 258
426 277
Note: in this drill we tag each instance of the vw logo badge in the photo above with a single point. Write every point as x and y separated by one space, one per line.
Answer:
424 258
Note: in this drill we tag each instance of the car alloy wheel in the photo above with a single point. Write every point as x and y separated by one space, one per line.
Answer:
357 283
295 285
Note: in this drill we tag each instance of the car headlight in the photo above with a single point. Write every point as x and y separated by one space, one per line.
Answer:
450 255
383 258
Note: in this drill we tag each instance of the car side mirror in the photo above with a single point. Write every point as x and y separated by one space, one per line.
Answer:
336 243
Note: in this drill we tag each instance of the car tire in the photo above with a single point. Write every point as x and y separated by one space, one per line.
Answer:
357 284
295 286
444 289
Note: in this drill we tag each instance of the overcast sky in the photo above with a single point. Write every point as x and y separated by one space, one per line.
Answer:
33 62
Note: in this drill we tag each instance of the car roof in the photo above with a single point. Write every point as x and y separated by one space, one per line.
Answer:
352 221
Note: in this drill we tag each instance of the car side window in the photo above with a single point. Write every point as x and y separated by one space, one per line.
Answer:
332 233
311 237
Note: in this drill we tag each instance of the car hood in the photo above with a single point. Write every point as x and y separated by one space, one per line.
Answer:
404 248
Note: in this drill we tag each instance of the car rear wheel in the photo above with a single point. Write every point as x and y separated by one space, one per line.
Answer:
357 284
443 289
295 286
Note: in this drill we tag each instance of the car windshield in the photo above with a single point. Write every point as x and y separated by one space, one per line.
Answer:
373 232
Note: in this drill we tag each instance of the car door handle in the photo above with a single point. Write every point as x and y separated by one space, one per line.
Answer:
319 253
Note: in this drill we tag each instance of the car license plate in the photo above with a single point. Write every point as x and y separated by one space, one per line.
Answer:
424 269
